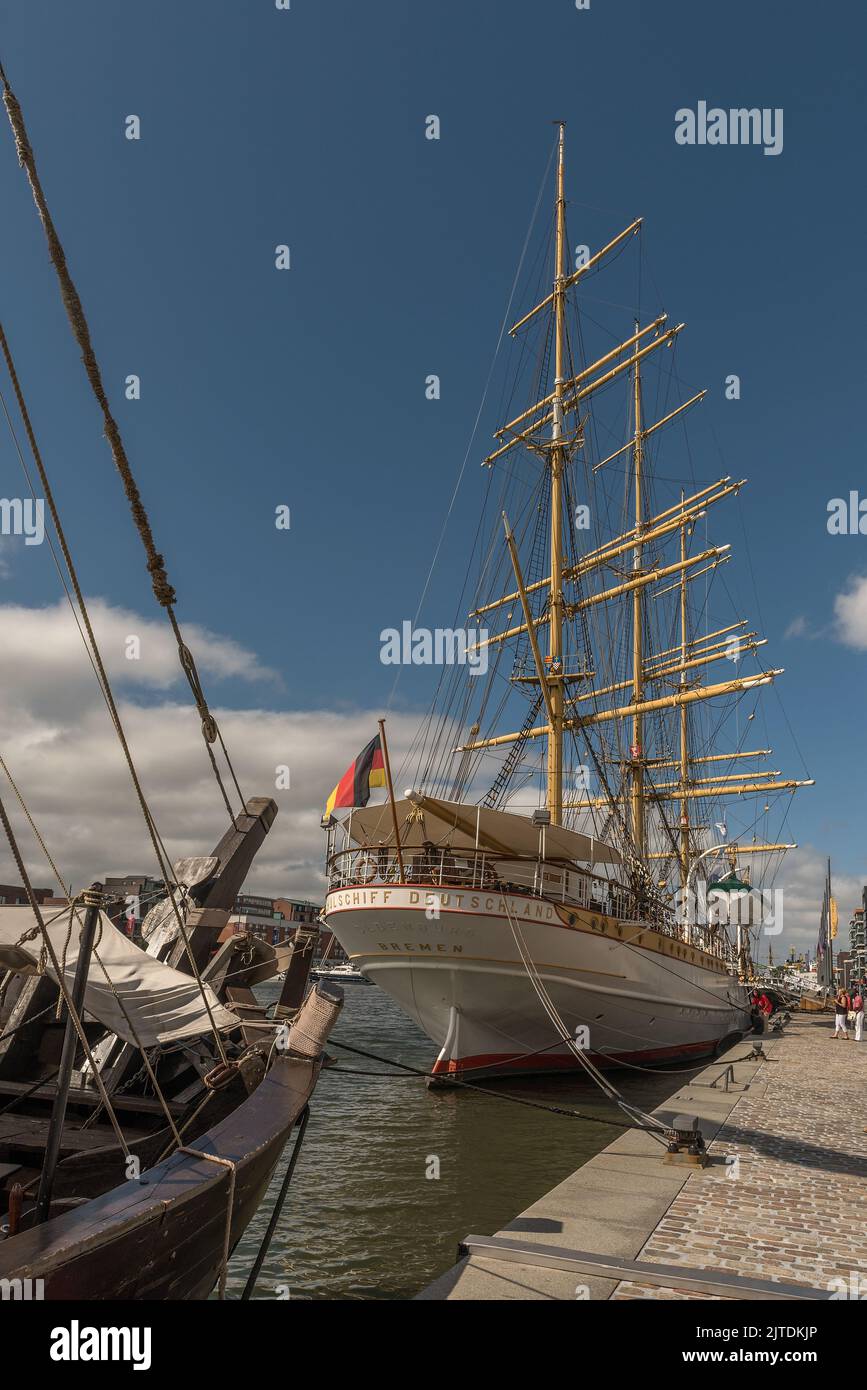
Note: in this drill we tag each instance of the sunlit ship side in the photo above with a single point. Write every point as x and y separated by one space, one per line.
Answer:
451 947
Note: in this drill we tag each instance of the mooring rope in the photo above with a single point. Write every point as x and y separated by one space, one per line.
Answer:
230 1207
553 1014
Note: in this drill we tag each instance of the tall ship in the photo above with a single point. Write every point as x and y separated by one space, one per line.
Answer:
540 894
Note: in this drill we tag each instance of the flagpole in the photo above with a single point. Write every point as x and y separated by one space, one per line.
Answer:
830 932
391 797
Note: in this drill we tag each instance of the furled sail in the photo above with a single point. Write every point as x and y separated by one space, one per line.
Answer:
162 1004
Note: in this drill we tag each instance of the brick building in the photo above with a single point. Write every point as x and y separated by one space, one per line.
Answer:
16 897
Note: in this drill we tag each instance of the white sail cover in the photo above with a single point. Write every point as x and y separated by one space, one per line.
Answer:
163 1004
460 826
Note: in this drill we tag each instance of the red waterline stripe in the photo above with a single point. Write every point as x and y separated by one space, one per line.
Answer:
551 1061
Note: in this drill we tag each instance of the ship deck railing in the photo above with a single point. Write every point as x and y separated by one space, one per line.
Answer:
483 871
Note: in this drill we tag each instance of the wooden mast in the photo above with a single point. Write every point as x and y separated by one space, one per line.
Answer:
540 429
555 626
93 903
390 790
684 718
636 752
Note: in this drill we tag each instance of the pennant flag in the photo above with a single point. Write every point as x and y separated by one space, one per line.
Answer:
354 787
833 917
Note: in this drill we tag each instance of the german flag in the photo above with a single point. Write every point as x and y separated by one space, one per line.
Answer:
353 789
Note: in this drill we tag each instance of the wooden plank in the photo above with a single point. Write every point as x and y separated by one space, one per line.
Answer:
145 1105
162 1237
235 853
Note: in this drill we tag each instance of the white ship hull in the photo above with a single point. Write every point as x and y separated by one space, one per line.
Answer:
642 997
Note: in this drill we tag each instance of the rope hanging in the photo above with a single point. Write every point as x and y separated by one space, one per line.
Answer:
163 590
76 1021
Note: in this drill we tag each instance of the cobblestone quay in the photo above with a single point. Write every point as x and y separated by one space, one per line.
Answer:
783 1199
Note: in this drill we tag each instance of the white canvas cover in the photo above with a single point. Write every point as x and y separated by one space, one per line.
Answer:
461 827
163 1003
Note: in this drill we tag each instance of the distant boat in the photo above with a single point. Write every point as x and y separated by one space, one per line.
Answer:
343 974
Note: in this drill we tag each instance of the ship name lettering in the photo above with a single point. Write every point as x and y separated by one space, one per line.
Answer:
440 947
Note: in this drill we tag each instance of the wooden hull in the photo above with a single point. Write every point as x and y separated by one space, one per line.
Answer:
163 1237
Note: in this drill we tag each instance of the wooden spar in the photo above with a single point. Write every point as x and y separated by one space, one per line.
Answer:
661 673
573 399
621 544
705 692
213 900
697 575
726 778
696 643
297 972
576 274
720 757
696 792
390 787
684 716
739 850
93 902
637 749
528 618
656 527
558 459
716 553
651 429
688 697
609 356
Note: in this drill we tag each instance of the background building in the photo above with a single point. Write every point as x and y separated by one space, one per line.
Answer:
274 919
16 897
858 939
137 894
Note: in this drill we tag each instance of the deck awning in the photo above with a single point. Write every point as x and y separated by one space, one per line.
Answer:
162 1003
459 826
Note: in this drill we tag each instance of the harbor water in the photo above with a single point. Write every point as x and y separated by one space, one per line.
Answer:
392 1175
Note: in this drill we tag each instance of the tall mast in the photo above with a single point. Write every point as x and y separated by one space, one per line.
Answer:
636 752
555 626
684 717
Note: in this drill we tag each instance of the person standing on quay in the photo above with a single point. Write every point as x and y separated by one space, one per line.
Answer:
841 1010
858 1010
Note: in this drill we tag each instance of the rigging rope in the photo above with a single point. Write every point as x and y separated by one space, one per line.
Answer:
73 1014
74 913
105 686
163 590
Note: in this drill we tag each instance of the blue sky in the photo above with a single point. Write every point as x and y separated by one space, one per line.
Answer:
261 127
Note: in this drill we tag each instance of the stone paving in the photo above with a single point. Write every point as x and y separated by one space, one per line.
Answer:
786 1198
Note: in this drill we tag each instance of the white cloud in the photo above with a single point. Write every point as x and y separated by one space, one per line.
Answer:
850 612
802 880
56 737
